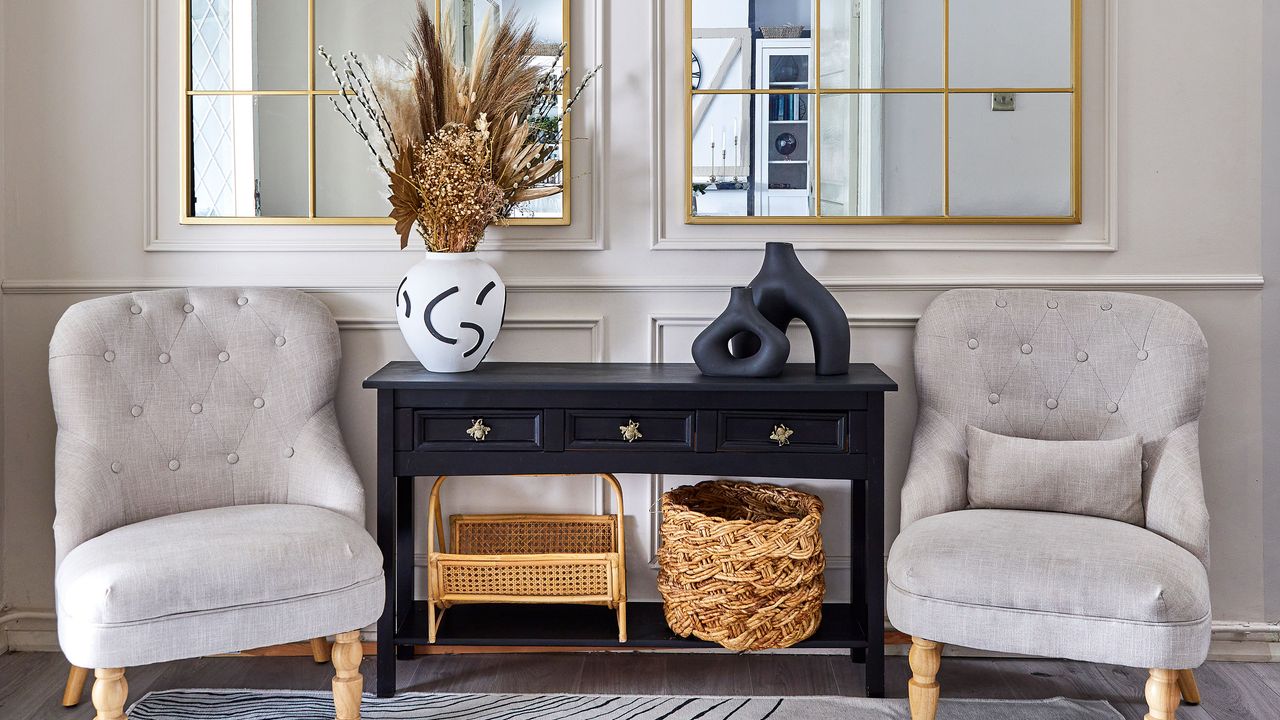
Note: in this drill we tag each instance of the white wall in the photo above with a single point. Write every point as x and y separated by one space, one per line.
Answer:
1172 208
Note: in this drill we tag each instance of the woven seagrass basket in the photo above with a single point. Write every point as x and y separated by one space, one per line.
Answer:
526 558
740 564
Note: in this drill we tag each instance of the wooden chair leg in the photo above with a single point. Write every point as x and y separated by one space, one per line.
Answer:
320 650
922 689
1162 695
1188 687
74 690
348 683
110 690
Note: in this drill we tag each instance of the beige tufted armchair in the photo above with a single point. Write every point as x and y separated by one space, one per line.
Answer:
205 501
1056 366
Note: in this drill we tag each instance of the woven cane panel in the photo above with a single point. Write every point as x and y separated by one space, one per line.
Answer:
535 536
565 580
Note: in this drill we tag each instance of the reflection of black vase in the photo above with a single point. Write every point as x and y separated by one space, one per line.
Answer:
739 319
783 291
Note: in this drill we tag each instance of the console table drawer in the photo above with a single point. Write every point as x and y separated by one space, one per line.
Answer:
783 432
650 430
477 429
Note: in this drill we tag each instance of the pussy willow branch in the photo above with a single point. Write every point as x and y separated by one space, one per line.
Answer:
350 115
382 114
368 98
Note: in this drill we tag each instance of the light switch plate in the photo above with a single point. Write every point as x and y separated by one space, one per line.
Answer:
1003 102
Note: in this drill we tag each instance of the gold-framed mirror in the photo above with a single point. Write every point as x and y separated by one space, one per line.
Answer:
883 111
259 142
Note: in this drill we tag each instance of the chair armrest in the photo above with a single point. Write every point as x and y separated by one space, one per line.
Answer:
938 474
320 471
1173 491
86 495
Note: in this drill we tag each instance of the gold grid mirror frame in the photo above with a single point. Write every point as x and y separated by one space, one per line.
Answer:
300 91
778 83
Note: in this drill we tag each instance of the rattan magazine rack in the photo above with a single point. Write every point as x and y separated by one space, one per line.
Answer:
526 558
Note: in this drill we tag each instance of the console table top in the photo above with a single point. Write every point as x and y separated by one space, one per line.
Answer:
409 375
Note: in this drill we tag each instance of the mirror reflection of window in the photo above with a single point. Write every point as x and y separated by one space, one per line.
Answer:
869 116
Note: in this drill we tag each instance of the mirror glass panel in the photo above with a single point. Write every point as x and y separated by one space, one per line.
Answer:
262 140
1010 43
1011 163
248 44
881 155
249 155
881 43
368 28
904 130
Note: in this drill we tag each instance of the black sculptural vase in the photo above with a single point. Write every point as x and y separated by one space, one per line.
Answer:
784 291
741 319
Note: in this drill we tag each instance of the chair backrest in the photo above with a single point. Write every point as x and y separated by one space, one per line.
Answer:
182 400
1060 365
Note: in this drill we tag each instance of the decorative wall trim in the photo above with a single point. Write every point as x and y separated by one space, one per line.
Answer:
919 238
593 325
348 238
1243 281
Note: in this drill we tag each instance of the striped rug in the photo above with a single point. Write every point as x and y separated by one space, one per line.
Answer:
282 705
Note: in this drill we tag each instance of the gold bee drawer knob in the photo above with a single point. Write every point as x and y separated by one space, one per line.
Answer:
630 431
782 435
478 430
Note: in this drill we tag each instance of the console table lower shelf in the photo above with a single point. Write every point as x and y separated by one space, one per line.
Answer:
585 626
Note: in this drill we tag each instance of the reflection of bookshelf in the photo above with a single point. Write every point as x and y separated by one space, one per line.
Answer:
783 176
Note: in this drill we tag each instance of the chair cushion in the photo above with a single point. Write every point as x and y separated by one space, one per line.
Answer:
1050 584
1102 478
233 578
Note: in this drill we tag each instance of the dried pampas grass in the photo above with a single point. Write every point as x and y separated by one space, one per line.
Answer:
462 145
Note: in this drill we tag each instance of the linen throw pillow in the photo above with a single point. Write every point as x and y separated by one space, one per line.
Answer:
1102 478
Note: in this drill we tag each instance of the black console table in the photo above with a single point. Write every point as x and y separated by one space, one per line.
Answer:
565 418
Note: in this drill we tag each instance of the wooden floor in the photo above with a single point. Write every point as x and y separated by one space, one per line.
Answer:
31 683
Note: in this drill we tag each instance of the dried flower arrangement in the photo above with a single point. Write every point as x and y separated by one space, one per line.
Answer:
462 144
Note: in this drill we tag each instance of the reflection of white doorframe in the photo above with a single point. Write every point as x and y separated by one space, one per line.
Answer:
871 109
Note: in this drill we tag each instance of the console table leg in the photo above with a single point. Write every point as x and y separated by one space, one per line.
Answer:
386 685
873 551
404 558
387 490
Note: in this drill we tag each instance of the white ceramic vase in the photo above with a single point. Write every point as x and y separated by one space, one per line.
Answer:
450 308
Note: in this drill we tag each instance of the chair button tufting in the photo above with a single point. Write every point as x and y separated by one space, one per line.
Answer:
1051 403
1106 306
108 356
188 308
242 301
1001 303
288 452
174 464
1052 304
136 310
279 341
1112 407
233 458
1082 356
116 467
224 356
259 402
993 398
1145 466
1142 355
164 358
973 343
136 410
196 408
1026 349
